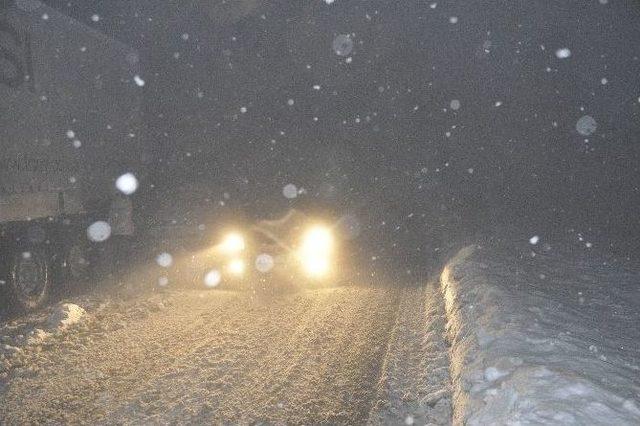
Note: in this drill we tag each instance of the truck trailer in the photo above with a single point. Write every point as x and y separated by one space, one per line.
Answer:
70 125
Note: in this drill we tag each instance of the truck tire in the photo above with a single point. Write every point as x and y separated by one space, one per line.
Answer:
29 283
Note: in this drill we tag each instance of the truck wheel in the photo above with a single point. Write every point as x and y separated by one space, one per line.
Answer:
30 279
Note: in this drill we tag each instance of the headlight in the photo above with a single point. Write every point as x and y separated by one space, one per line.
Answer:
232 244
316 267
318 240
236 267
315 251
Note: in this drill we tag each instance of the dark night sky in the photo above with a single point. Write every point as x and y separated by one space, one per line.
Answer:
386 143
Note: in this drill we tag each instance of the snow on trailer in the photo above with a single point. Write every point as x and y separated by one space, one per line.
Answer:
542 337
70 124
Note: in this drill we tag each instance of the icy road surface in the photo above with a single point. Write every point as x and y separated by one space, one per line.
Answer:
356 355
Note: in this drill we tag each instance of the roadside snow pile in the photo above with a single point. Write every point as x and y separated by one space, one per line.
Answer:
64 316
542 337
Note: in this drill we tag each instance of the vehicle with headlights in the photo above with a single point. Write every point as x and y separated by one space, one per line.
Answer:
270 255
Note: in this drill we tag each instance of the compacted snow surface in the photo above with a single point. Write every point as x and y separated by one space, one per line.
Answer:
542 336
356 354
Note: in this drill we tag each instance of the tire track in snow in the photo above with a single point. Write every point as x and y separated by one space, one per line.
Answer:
414 386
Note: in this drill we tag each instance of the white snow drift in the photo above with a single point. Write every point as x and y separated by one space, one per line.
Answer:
64 316
542 337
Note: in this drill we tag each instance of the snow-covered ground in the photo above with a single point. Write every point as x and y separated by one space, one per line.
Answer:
542 335
414 385
319 356
537 334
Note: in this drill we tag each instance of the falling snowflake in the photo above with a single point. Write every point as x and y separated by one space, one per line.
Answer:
342 45
139 81
290 191
455 104
127 183
534 240
563 53
290 102
164 259
453 20
99 231
586 125
212 278
264 263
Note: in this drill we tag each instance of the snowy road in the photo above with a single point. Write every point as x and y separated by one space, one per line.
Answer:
338 355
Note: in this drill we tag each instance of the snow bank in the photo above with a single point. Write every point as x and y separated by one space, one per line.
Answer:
64 316
542 337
